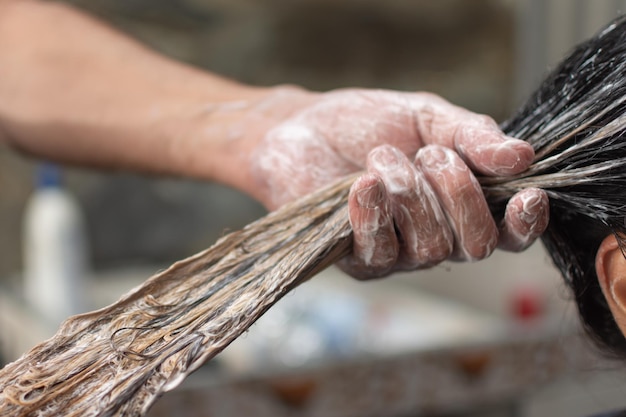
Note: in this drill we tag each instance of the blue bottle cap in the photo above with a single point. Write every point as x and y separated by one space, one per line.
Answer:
48 175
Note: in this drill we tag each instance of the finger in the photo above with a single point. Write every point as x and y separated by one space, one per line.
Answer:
462 200
526 218
375 247
488 151
477 138
425 237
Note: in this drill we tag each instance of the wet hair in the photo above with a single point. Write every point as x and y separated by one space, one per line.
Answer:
576 122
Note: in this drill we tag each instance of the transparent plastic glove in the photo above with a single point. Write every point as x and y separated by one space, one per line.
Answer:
419 202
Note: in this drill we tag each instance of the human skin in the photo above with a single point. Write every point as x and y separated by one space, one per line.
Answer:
76 91
611 270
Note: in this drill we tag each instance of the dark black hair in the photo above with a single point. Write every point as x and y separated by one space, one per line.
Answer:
576 122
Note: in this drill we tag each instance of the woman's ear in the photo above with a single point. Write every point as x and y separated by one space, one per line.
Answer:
611 271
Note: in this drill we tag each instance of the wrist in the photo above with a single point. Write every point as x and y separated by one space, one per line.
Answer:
219 141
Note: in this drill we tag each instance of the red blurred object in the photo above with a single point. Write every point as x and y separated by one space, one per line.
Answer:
527 304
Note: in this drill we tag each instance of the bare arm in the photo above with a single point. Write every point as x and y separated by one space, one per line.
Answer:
74 90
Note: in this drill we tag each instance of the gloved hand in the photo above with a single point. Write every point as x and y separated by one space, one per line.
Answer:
419 202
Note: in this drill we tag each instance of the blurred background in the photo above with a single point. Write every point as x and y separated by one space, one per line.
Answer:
497 338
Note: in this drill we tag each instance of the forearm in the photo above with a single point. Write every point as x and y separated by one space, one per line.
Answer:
77 91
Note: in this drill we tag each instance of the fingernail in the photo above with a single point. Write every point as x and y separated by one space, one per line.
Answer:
434 157
505 157
511 156
529 214
385 156
370 197
534 210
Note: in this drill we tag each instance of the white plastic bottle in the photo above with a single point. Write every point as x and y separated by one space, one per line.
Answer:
55 249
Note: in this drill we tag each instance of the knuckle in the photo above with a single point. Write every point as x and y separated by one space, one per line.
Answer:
429 97
433 255
485 120
432 245
477 240
481 251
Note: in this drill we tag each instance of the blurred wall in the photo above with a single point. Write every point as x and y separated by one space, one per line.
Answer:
547 29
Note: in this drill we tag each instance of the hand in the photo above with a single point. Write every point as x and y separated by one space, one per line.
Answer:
419 202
